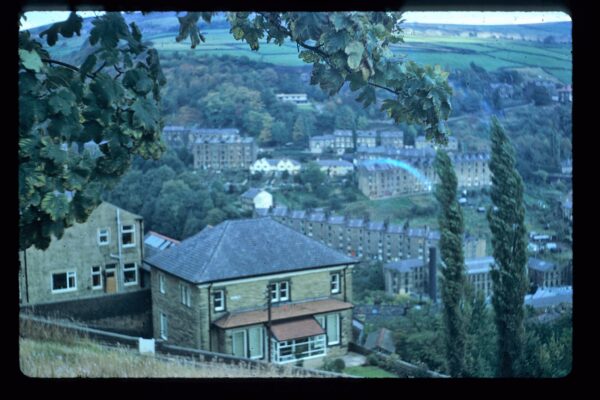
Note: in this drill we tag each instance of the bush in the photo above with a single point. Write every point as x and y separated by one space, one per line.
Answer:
334 365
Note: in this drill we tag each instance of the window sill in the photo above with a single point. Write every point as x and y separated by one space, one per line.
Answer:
128 246
97 288
64 290
130 283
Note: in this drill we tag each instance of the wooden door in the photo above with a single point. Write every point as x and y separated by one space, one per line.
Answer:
111 281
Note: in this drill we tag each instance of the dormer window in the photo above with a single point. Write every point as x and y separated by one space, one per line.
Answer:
280 291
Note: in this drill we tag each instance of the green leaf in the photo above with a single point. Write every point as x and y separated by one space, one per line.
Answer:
107 90
355 51
138 81
367 96
145 114
62 102
56 205
31 60
87 66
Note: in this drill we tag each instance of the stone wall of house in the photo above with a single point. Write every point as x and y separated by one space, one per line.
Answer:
78 250
182 321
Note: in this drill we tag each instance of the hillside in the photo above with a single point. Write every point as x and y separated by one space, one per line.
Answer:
451 46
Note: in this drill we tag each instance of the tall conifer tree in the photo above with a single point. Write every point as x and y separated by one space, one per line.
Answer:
506 218
451 248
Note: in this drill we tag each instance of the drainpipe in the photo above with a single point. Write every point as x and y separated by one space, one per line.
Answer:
119 256
344 288
209 319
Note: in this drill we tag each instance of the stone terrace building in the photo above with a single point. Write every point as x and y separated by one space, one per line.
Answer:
386 172
97 258
372 240
212 292
223 149
544 273
391 139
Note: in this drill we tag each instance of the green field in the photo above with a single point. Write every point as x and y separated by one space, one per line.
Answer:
369 372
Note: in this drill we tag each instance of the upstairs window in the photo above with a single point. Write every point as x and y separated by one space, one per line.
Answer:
161 283
335 283
219 300
186 298
280 291
128 235
163 326
103 236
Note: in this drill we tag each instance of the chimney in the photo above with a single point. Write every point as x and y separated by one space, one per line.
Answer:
433 274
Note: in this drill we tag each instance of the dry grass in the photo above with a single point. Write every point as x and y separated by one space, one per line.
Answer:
84 358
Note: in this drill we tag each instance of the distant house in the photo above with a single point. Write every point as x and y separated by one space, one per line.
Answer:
567 206
296 98
213 292
223 149
336 167
255 198
279 165
477 271
565 94
544 273
381 341
392 139
320 144
566 166
406 277
366 138
99 257
344 139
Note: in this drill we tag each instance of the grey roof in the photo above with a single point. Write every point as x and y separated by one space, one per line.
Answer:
336 219
417 232
391 134
317 217
540 265
375 226
323 137
342 132
298 214
434 235
211 131
279 211
155 242
261 212
251 193
395 228
405 265
244 248
381 338
366 134
478 265
356 223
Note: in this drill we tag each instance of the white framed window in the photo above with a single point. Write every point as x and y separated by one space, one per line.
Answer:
128 235
96 278
64 282
103 236
186 298
280 291
164 328
298 349
129 274
331 324
335 283
219 300
161 283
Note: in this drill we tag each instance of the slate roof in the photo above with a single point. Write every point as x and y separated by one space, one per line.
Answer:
317 217
251 193
323 137
391 134
405 265
155 242
280 211
336 219
298 214
376 226
342 132
395 228
417 232
261 212
245 248
335 163
356 223
540 265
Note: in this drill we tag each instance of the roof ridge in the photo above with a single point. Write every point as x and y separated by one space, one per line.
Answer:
212 254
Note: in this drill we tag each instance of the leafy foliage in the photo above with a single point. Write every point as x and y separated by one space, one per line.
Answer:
451 248
507 223
110 103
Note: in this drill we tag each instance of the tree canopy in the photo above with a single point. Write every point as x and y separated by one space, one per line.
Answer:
111 101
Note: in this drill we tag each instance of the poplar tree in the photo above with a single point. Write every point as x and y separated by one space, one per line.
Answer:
453 277
506 218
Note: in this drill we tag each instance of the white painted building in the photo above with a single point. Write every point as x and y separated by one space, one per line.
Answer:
335 167
270 165
257 198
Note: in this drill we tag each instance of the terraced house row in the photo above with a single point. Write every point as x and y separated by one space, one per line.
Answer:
386 172
359 237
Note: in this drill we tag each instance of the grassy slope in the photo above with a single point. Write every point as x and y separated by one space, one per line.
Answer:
369 372
47 359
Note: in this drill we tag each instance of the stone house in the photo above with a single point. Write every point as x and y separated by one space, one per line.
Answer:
320 144
366 138
344 139
296 98
256 289
256 198
477 271
406 277
544 273
223 149
335 167
99 257
391 139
